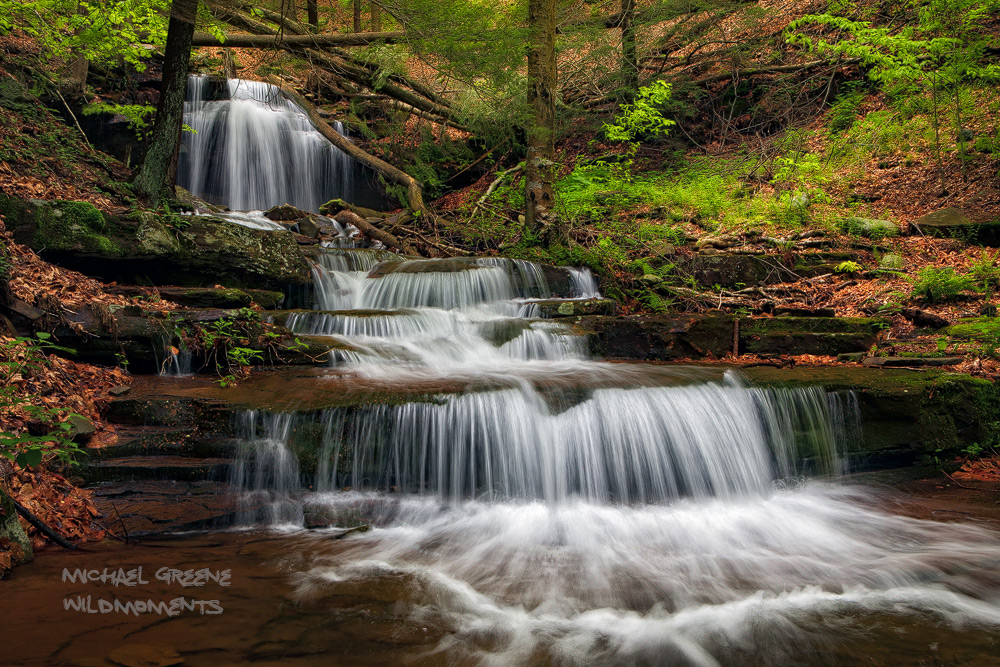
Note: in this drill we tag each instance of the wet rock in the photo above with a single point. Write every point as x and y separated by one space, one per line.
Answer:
650 280
206 297
870 228
741 270
144 246
851 357
119 390
285 213
805 312
81 429
308 227
665 337
571 307
952 223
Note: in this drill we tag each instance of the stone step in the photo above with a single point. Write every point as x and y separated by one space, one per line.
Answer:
164 441
150 507
170 468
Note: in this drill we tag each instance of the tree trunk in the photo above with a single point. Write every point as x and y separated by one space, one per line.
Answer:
376 13
312 14
539 166
357 15
155 178
630 56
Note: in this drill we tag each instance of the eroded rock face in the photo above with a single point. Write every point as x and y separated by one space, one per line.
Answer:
153 247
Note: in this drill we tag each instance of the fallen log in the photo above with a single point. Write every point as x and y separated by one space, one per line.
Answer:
414 195
249 41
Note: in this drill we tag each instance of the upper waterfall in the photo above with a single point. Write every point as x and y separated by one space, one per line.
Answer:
251 148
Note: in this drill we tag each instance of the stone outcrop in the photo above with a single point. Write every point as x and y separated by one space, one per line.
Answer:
146 247
953 223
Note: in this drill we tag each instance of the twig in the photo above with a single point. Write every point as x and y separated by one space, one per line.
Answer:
970 488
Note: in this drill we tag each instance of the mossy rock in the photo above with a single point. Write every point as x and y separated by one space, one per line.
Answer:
870 228
148 247
904 414
808 335
953 223
12 535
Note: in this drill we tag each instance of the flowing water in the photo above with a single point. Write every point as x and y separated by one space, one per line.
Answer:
566 511
251 148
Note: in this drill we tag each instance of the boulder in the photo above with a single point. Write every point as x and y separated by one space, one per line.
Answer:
205 297
891 262
870 228
285 213
953 223
144 246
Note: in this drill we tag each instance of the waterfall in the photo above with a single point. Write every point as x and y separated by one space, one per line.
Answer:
539 506
254 148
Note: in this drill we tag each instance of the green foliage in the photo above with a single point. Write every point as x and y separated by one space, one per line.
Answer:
23 357
845 110
642 119
137 116
935 285
985 273
847 267
102 31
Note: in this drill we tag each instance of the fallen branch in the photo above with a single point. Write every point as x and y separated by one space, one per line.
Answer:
41 526
373 232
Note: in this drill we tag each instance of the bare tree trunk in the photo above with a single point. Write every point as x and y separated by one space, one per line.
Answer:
154 180
357 15
630 55
376 13
312 14
539 166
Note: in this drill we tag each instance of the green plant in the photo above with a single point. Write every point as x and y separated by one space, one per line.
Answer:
974 451
136 115
985 272
847 267
933 284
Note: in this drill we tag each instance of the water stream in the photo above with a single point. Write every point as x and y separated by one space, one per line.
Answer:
563 510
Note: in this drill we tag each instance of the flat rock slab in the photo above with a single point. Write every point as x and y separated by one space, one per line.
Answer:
911 362
953 223
570 307
150 507
172 468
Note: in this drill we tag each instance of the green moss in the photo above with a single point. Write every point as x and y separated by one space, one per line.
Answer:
980 328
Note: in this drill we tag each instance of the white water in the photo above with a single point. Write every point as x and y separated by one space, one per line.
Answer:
258 149
565 511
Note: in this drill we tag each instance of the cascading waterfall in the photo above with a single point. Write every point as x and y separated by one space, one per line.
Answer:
561 510
255 148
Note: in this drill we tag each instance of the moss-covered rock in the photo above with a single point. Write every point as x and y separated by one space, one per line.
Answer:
149 247
904 414
13 539
667 337
953 223
734 270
